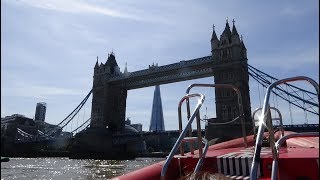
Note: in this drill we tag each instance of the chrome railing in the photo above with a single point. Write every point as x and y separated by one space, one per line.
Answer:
278 144
266 118
241 115
270 125
200 161
184 132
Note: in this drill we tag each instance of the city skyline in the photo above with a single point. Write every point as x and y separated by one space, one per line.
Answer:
58 43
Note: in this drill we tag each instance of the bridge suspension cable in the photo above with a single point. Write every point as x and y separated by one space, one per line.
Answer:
86 124
307 101
290 109
70 117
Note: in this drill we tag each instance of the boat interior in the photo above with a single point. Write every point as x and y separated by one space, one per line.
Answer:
269 153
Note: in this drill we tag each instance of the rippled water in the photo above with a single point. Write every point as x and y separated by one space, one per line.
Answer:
65 168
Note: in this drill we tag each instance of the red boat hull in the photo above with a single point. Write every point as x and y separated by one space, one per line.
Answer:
299 159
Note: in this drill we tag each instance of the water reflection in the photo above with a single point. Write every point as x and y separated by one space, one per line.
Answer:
64 168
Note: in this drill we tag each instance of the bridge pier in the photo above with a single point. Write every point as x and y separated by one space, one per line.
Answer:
97 143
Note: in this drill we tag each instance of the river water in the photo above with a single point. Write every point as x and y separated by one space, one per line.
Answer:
65 168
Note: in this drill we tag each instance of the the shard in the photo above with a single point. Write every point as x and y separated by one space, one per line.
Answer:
157 122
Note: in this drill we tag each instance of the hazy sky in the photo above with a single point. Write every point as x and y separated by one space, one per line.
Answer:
49 47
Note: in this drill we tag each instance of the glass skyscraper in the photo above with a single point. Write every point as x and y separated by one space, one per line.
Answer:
157 122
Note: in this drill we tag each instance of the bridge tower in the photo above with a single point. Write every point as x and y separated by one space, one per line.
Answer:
107 118
230 53
108 101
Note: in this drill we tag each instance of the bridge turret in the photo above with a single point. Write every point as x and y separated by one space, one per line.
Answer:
97 74
225 37
97 64
214 40
229 48
234 35
126 72
238 48
112 64
221 50
96 67
243 49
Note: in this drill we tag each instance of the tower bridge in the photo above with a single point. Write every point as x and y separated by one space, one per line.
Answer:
227 64
107 136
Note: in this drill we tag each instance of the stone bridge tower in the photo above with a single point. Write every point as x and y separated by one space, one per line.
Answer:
231 52
106 97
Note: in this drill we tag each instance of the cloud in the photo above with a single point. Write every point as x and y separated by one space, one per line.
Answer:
51 46
120 10
72 6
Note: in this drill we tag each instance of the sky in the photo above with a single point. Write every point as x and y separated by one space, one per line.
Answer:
49 48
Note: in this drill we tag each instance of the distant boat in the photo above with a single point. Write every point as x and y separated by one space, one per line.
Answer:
5 159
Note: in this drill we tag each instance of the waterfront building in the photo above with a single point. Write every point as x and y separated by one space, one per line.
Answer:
40 111
14 117
9 125
137 126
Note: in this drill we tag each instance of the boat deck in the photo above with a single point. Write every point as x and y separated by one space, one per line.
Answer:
233 160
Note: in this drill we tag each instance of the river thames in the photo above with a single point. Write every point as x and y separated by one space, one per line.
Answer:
65 168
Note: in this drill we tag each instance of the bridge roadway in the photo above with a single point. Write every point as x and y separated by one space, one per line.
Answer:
174 133
176 72
302 127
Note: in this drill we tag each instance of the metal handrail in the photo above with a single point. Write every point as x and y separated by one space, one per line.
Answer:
241 114
182 135
279 143
264 119
199 164
270 126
